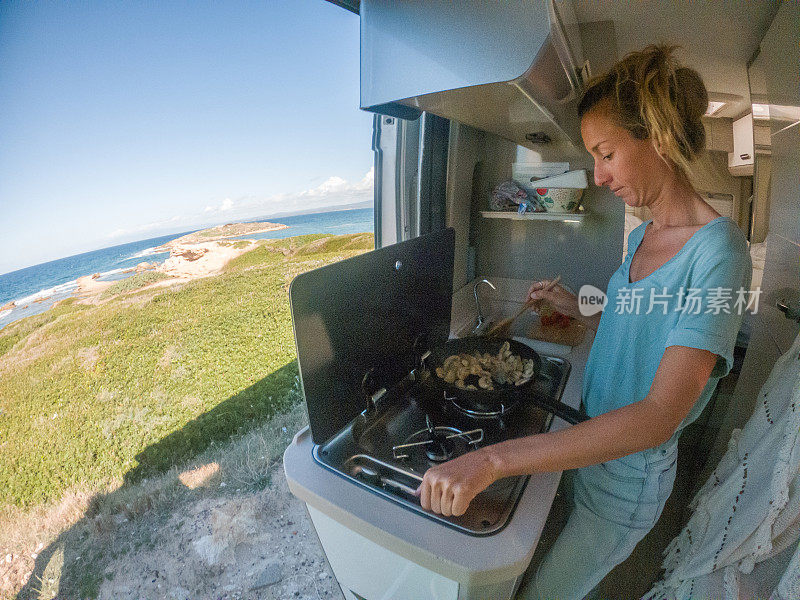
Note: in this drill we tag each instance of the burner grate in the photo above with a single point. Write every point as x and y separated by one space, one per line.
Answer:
439 443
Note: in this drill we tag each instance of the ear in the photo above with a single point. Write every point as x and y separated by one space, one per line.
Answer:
662 154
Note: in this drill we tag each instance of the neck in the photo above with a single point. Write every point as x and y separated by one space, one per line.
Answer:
676 204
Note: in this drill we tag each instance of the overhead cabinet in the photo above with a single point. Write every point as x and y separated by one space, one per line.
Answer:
515 72
719 134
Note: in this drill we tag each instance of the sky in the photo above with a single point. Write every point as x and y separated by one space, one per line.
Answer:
122 121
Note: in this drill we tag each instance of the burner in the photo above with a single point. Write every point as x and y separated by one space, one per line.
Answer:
439 444
483 414
439 448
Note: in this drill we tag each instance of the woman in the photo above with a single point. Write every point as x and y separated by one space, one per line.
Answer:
652 367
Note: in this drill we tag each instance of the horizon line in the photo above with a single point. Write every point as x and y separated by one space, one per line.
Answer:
318 210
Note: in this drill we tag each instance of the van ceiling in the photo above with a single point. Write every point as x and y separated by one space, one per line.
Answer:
717 39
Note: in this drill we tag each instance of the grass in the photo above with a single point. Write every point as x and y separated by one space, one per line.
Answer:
78 537
129 389
133 283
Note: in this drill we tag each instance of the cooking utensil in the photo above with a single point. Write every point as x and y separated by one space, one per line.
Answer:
481 399
572 179
502 328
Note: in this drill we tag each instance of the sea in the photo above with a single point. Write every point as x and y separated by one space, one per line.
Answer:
35 289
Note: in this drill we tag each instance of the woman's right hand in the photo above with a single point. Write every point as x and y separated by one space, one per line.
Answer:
559 298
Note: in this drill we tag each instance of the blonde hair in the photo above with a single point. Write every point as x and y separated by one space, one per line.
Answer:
653 97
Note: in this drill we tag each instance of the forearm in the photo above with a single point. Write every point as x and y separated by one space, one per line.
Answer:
608 436
681 376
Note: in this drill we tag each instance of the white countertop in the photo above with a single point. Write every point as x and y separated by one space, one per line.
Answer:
451 553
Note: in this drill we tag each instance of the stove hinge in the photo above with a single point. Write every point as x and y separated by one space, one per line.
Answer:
376 397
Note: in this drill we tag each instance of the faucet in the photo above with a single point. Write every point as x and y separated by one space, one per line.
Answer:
481 318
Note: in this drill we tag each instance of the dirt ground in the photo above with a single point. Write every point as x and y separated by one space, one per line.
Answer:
203 532
257 546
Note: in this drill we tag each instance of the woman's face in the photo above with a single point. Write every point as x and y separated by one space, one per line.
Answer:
630 168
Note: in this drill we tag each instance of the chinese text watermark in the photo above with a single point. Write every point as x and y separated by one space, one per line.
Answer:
693 301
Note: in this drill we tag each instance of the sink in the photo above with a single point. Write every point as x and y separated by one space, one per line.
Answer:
504 310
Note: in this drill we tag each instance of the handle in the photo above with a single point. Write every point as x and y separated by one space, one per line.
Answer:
564 411
396 485
744 156
529 304
789 312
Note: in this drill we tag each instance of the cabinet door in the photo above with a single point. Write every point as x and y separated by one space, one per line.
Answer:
722 135
742 142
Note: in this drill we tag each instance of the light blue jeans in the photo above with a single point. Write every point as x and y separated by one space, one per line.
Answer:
615 504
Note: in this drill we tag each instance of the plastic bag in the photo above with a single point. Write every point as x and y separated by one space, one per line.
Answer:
509 195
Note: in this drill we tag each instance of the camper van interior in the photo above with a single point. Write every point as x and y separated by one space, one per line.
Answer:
468 96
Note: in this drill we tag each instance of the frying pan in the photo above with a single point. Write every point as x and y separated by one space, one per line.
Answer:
480 399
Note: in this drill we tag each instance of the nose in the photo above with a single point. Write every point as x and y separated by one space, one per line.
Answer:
601 174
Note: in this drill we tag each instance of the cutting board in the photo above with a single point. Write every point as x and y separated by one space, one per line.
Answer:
572 335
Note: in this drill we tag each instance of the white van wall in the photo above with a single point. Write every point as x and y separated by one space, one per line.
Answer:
586 252
772 333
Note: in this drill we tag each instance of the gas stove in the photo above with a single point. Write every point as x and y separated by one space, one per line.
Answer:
376 424
388 447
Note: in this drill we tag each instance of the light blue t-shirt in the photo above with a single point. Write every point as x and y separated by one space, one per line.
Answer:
696 299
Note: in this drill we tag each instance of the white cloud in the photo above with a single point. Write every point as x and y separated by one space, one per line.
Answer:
369 179
336 186
226 205
330 185
333 191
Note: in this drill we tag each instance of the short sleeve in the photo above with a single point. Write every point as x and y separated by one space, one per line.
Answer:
720 278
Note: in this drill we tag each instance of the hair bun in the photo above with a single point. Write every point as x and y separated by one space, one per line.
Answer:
692 97
652 96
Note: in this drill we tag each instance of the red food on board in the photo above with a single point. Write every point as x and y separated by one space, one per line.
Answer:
550 317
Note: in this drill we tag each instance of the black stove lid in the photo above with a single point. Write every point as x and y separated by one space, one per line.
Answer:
373 312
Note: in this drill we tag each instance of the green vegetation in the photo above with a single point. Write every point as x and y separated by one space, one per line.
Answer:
135 282
225 231
153 377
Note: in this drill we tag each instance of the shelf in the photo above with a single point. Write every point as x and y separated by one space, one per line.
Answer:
540 216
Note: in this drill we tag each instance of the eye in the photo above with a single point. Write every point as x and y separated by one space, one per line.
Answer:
608 156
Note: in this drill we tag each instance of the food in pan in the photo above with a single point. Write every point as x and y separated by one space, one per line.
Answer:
486 370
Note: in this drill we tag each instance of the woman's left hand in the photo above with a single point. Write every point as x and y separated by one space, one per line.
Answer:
448 488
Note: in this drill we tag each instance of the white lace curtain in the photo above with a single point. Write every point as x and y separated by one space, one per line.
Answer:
748 511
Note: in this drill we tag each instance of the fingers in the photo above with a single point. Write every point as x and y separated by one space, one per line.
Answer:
538 285
460 504
539 291
437 496
424 491
446 502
